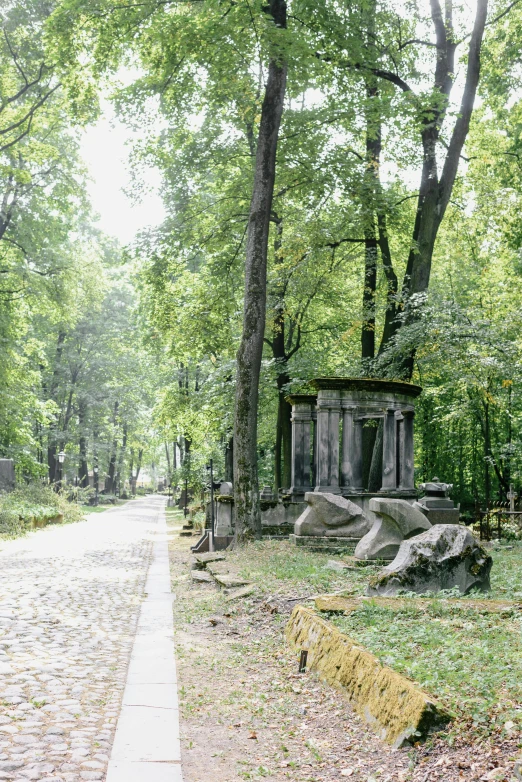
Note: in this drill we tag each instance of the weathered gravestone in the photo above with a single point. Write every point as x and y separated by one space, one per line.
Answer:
7 475
436 505
445 556
224 521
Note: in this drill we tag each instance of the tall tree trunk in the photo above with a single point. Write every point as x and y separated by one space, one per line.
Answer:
435 192
487 456
246 486
121 458
283 447
282 352
52 445
138 466
110 483
83 469
371 186
169 472
95 460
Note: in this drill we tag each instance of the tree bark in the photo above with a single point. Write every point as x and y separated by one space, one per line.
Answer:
121 458
83 469
110 483
246 487
52 445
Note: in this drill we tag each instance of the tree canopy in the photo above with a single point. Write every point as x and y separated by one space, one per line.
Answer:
367 152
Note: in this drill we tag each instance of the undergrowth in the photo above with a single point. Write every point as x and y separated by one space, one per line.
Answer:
34 502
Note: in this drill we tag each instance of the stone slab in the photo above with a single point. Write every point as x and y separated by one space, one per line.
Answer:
151 670
147 733
230 580
218 568
121 771
236 594
202 576
209 556
392 705
152 695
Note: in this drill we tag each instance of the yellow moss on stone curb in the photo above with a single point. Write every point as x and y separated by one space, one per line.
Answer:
396 708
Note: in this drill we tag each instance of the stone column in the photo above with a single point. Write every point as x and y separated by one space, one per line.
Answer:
328 414
407 472
351 463
389 451
313 477
301 424
357 455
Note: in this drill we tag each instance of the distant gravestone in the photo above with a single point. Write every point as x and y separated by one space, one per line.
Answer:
7 475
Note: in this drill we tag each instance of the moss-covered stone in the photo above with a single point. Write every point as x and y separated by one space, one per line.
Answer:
395 707
444 557
346 604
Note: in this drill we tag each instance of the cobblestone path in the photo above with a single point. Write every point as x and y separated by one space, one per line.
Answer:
69 603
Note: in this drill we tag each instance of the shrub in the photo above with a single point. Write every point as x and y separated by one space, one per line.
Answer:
34 502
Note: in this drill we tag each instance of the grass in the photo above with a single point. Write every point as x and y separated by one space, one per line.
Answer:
471 660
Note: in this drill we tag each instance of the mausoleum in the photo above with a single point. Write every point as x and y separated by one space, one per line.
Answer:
329 442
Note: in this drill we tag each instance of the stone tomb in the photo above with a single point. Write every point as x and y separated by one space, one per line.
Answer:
328 441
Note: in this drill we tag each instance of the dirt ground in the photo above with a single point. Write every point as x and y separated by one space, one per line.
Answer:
247 713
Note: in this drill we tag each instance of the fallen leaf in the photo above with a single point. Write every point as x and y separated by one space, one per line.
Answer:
252 735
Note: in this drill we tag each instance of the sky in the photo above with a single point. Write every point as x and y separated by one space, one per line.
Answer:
105 148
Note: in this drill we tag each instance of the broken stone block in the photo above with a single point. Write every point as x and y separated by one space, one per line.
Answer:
230 580
398 710
201 576
236 594
397 520
445 556
331 515
209 556
218 567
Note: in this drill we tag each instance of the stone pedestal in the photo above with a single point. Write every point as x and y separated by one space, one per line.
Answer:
436 505
223 521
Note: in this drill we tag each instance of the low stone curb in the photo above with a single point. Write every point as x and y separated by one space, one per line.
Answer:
395 708
339 604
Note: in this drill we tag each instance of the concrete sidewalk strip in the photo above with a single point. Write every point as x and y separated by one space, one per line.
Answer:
146 745
145 772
